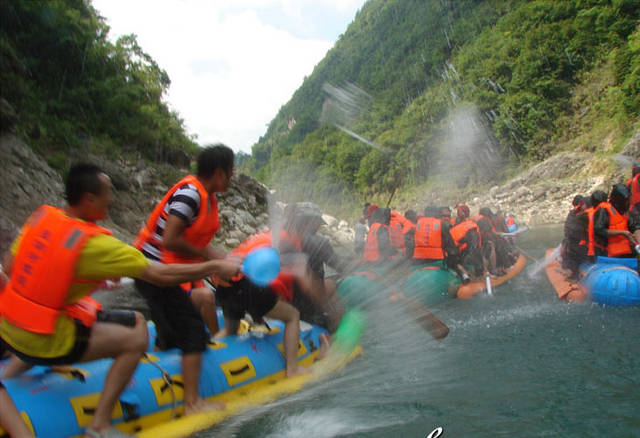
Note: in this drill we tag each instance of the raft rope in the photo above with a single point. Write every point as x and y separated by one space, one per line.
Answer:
169 381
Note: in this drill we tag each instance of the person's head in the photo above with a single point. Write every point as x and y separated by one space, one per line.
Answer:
368 212
462 212
445 212
88 192
432 211
215 167
486 212
305 217
380 215
579 203
619 197
411 215
598 197
635 169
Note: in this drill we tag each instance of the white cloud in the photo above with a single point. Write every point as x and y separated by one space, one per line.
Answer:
230 69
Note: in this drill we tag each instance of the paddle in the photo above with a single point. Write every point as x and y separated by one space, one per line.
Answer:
422 316
524 253
488 280
514 233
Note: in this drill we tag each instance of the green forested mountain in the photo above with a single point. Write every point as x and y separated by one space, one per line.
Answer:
464 87
73 90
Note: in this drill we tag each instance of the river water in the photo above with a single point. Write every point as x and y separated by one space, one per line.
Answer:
519 364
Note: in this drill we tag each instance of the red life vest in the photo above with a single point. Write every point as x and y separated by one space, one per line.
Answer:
459 231
635 191
371 248
43 271
283 283
616 245
510 221
428 239
199 234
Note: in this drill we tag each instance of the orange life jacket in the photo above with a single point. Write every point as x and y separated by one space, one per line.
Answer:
616 245
199 233
635 191
459 231
43 271
283 283
428 239
397 226
371 248
510 221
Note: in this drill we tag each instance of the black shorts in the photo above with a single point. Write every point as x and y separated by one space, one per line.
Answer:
77 351
178 323
245 297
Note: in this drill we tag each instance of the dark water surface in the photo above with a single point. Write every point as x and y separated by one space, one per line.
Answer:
520 363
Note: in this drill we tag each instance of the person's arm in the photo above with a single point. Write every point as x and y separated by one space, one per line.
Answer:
10 418
173 241
409 242
601 224
384 244
448 245
173 274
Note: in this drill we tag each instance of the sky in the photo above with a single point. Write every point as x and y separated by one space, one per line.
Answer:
232 63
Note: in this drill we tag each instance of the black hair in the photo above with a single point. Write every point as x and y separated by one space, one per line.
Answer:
82 178
211 158
432 211
381 215
486 211
619 197
635 170
597 197
411 215
578 199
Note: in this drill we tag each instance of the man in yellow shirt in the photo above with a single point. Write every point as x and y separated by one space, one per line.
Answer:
58 338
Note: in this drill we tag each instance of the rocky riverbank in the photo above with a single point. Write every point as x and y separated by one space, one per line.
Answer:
543 193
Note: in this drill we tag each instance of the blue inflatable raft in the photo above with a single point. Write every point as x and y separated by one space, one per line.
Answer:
59 402
613 281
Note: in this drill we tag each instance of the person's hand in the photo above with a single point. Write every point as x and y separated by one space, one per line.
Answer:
226 269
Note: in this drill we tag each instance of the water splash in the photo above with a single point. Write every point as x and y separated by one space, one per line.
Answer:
541 264
342 108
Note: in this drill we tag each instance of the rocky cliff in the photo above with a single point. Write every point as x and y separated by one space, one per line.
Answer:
27 181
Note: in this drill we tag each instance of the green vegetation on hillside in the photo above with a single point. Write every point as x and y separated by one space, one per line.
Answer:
462 87
74 90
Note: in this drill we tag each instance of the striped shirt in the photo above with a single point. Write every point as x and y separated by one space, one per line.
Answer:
185 204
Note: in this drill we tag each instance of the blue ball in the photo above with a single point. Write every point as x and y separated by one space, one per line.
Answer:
262 265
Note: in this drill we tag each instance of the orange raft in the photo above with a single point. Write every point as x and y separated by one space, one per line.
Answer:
567 290
468 290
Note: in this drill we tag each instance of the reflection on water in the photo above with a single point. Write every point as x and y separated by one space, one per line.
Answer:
519 363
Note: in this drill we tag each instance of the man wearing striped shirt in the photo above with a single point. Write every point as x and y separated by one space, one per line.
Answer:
180 230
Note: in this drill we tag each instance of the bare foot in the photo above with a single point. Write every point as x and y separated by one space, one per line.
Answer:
202 406
324 346
298 371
